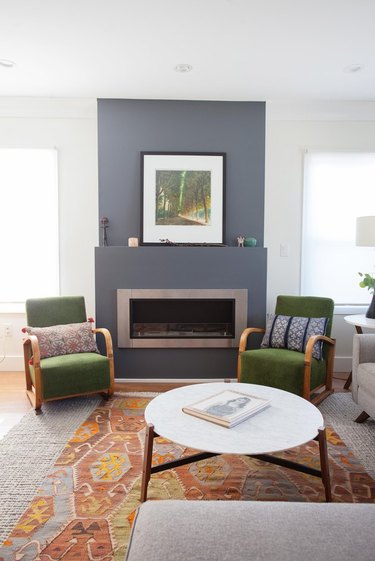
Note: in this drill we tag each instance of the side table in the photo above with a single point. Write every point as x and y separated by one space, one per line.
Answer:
359 321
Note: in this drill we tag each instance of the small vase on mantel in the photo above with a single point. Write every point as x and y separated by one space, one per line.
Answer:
371 309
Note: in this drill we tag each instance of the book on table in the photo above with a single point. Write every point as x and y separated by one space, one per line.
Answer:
227 408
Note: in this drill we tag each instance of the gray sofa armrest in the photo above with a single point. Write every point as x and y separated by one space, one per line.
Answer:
366 346
363 351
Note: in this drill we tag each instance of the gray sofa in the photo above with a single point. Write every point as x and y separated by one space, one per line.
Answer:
363 371
252 531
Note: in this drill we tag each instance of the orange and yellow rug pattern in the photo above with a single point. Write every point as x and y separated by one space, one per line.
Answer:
85 507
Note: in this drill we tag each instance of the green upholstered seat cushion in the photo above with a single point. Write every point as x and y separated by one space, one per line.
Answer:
73 374
280 368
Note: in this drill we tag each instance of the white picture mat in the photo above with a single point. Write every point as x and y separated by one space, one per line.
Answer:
227 395
211 233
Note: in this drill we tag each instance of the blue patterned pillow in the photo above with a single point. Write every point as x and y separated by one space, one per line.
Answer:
289 332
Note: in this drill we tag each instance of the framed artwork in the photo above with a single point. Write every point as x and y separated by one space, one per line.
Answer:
182 197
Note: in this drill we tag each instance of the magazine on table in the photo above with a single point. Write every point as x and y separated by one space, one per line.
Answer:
227 408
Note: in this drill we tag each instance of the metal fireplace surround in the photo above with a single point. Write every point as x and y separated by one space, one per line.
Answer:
180 318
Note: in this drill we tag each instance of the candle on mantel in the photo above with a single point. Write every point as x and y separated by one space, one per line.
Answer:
133 242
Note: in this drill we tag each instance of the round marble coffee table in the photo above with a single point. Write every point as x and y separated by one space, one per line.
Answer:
289 421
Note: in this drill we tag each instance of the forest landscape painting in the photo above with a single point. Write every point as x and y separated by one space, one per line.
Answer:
182 197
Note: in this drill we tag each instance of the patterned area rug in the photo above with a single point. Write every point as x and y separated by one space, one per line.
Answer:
29 450
85 507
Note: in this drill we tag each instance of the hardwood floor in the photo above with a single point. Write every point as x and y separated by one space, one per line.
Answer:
14 402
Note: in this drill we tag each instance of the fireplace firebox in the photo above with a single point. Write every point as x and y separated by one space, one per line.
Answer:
181 318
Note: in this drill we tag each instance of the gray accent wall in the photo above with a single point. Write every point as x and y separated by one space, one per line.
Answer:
178 267
128 127
125 129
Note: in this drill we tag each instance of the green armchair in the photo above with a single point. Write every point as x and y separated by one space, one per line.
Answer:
60 354
297 372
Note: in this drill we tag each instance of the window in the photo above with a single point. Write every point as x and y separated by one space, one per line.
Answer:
338 187
28 224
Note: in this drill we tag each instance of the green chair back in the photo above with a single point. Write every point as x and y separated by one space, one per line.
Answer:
60 310
306 306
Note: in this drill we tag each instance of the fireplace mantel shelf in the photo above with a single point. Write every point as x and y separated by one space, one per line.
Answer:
173 249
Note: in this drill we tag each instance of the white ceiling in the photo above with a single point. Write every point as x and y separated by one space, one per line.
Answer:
239 49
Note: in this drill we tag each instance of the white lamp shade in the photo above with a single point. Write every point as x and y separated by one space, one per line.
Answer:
365 232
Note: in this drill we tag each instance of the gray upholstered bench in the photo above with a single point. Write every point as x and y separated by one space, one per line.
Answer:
252 531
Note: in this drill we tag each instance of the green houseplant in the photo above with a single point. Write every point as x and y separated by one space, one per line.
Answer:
368 281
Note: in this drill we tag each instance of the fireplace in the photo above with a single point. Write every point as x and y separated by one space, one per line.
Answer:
180 318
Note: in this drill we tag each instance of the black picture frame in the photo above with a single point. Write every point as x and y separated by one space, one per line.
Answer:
182 198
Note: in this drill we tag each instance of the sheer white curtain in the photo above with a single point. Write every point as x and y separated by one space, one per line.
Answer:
29 233
338 187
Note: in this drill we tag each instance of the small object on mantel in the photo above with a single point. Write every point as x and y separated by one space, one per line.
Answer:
240 241
104 225
133 242
189 244
250 242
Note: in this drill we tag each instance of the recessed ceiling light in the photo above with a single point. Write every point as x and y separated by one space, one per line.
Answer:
5 63
183 68
353 68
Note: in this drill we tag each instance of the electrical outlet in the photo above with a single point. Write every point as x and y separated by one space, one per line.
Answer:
7 330
284 250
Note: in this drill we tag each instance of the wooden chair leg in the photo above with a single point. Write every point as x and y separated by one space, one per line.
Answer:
307 381
348 382
328 389
35 402
321 396
362 417
330 363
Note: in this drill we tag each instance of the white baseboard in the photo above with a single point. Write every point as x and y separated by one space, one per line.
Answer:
343 364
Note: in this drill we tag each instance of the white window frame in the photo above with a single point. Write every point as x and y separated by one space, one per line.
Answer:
29 226
345 255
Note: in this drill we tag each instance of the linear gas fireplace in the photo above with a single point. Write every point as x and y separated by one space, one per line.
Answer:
180 318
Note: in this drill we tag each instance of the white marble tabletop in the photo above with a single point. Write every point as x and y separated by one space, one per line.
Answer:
360 320
289 421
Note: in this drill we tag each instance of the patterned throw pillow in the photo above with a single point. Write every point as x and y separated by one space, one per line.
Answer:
64 339
289 332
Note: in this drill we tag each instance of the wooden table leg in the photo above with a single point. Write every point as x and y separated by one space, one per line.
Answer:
147 460
324 464
348 382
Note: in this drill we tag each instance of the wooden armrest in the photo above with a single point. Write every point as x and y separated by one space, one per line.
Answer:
31 349
245 334
311 342
109 351
107 340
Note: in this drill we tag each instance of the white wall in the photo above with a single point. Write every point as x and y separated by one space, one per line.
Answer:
71 127
291 129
